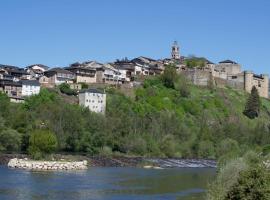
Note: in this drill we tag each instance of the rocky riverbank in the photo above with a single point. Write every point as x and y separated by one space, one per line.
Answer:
123 161
46 165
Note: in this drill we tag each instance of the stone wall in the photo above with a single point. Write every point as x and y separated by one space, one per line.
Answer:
46 165
198 77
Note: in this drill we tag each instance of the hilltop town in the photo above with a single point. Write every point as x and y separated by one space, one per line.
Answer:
19 83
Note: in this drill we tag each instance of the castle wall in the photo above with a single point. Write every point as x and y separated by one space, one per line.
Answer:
228 68
198 77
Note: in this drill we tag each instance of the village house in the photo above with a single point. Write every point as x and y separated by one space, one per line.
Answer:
112 75
29 87
11 88
93 99
56 76
147 66
125 67
4 75
16 72
87 72
36 71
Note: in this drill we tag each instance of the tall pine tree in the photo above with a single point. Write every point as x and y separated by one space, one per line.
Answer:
252 109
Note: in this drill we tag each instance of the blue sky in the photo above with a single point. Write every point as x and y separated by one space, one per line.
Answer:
60 32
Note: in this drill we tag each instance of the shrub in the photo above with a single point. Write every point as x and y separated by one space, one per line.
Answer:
10 140
226 146
206 149
135 145
168 146
65 88
169 76
84 85
42 143
182 85
226 178
252 184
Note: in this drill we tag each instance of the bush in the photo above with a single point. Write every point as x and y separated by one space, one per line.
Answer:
169 76
10 140
168 146
226 146
65 88
135 145
252 184
84 85
42 143
206 150
226 178
182 85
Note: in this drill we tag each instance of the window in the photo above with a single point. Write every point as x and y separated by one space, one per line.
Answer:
234 77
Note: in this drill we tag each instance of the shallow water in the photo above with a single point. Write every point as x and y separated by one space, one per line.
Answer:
106 184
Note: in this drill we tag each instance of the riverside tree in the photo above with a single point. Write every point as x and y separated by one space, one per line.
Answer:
42 143
252 109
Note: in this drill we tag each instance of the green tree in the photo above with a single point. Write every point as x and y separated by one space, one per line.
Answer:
252 184
42 143
252 109
169 76
182 85
84 85
65 88
10 140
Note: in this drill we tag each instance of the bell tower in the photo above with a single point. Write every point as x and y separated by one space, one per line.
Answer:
175 51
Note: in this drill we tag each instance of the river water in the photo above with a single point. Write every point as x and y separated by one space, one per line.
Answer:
106 184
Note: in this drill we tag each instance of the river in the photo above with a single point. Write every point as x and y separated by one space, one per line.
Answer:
106 184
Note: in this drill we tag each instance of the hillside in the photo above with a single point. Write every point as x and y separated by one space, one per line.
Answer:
183 121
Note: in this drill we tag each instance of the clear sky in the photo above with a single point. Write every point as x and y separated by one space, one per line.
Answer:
60 32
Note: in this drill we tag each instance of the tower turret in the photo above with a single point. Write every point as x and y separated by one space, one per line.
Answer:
175 51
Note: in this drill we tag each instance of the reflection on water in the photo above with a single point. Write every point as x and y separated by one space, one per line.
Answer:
105 184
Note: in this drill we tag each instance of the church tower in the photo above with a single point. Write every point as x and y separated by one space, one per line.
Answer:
175 51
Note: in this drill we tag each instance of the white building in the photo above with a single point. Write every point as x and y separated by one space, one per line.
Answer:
93 99
30 87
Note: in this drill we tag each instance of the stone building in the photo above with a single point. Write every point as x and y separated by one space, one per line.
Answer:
93 99
11 88
261 82
56 76
87 72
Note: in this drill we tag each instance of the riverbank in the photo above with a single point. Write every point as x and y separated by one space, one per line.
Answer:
46 165
122 161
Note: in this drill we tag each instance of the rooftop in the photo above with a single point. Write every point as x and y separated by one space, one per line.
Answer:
59 70
228 62
30 82
92 90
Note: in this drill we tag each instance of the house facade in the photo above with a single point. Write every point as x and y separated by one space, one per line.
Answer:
87 72
30 87
112 76
56 76
11 88
15 72
93 99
